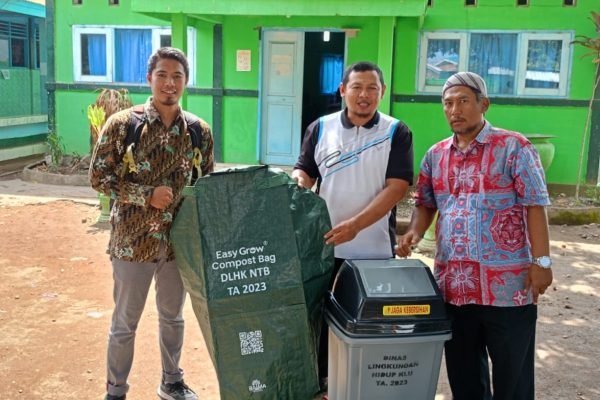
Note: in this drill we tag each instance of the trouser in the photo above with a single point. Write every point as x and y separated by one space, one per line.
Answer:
323 352
507 335
131 285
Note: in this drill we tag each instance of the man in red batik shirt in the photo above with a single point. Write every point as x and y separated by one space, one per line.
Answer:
492 259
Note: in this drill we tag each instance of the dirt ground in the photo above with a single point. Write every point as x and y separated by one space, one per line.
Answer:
55 308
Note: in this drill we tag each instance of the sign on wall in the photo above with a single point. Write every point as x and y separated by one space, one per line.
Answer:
243 60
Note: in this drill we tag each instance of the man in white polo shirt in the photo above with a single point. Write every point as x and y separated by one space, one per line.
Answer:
362 163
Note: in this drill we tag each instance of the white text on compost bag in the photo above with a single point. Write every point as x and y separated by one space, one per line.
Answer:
244 269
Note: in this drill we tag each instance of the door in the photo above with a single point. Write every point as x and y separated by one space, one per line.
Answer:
281 97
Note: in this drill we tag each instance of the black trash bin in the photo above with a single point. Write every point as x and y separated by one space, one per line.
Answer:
387 326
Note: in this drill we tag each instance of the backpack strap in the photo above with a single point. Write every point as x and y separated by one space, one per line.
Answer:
137 120
193 126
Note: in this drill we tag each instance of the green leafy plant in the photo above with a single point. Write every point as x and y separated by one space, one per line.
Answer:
593 193
56 148
97 117
593 44
108 102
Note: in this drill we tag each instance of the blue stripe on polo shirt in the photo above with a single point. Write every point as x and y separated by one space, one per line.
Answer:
321 122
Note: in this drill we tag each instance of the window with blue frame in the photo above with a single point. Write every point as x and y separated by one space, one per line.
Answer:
332 70
120 54
512 63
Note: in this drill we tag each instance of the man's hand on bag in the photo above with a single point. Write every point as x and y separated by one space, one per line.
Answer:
342 232
302 179
162 197
302 182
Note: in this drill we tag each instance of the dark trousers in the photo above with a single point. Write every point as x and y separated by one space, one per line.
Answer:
324 337
507 335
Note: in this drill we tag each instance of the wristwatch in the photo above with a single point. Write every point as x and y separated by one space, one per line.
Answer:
543 261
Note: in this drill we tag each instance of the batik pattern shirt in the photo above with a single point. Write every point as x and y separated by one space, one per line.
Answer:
162 157
482 193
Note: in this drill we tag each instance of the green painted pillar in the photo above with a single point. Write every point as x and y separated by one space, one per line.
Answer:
179 40
385 57
50 77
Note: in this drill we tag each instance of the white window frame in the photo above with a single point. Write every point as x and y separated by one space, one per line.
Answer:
156 34
462 56
109 31
523 39
191 45
78 31
566 38
191 54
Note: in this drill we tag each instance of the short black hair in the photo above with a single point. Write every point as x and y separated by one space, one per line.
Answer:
170 53
362 66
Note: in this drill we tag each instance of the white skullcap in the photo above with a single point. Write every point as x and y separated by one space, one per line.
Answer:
469 79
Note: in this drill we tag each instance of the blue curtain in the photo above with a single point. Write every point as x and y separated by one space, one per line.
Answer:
332 69
133 47
493 56
96 54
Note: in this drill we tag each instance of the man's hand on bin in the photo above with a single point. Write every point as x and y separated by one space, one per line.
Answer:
406 243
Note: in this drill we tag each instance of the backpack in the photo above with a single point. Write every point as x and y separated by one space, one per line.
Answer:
137 120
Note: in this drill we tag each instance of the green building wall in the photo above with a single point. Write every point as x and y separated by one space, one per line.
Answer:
23 105
240 107
563 118
71 100
240 114
18 98
229 99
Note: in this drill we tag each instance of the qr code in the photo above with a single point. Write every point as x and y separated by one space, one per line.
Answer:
251 342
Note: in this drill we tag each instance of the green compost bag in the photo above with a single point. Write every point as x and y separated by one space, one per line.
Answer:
249 245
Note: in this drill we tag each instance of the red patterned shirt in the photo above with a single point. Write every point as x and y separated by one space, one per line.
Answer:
482 193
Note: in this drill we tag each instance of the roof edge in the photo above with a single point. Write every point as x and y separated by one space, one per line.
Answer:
25 8
288 8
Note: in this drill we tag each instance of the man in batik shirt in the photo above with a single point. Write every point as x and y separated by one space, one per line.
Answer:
492 259
146 179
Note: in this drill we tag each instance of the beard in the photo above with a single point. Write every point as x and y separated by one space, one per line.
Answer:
468 130
168 100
